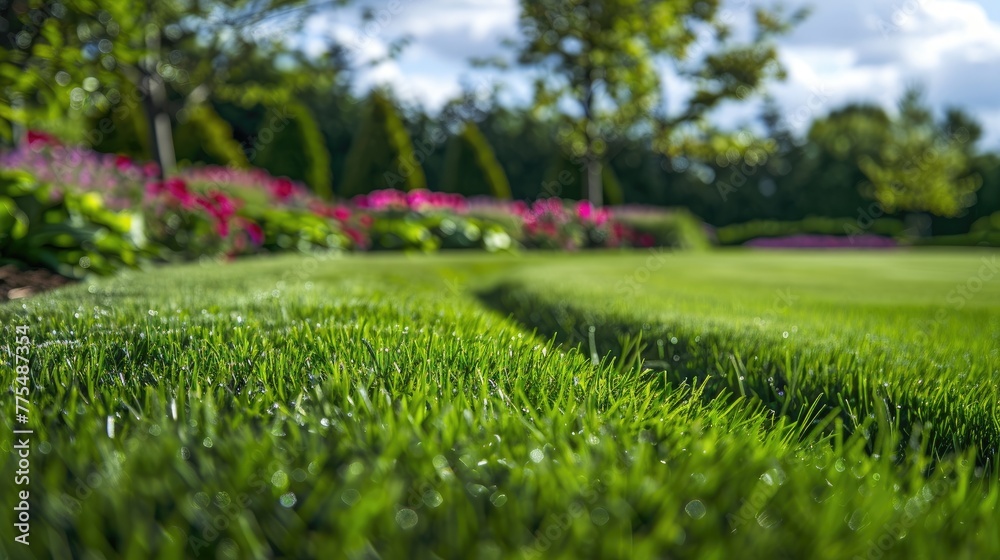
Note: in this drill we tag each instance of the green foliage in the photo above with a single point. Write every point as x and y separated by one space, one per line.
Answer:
471 167
922 166
675 227
602 58
381 154
566 178
204 137
120 130
301 230
68 232
435 231
737 234
297 149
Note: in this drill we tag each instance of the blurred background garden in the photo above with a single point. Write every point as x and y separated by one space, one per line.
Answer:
135 132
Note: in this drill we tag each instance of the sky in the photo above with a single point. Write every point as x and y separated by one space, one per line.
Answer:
846 51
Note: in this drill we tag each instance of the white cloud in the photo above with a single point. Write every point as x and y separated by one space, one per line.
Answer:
852 50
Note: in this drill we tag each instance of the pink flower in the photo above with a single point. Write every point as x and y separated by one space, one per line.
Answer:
601 216
177 188
357 237
150 169
222 228
341 213
255 232
584 210
224 206
123 163
38 139
282 188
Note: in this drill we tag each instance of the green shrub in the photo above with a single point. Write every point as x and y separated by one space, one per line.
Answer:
288 229
738 234
668 227
985 232
382 154
70 233
430 232
122 130
471 167
205 137
297 150
977 239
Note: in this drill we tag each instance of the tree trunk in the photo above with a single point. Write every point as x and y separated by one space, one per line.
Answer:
595 187
161 141
161 138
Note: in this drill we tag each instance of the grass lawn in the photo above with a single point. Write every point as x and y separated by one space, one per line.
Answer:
640 404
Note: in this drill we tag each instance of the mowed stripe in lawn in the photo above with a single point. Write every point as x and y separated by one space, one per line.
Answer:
913 337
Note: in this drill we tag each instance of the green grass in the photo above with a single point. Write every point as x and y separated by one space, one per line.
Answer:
617 405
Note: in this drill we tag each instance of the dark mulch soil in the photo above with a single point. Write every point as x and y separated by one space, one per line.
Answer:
16 283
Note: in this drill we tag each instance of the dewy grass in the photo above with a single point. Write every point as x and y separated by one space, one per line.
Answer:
374 407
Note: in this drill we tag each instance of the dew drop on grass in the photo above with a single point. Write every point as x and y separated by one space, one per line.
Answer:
498 499
840 466
476 489
222 499
407 518
202 500
350 496
857 520
288 500
765 520
784 334
184 453
207 442
537 455
695 509
599 516
432 498
279 479
673 340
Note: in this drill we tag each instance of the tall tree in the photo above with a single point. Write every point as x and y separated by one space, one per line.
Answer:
382 154
924 165
599 63
111 54
471 167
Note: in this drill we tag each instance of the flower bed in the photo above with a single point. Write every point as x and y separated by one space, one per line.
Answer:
220 211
